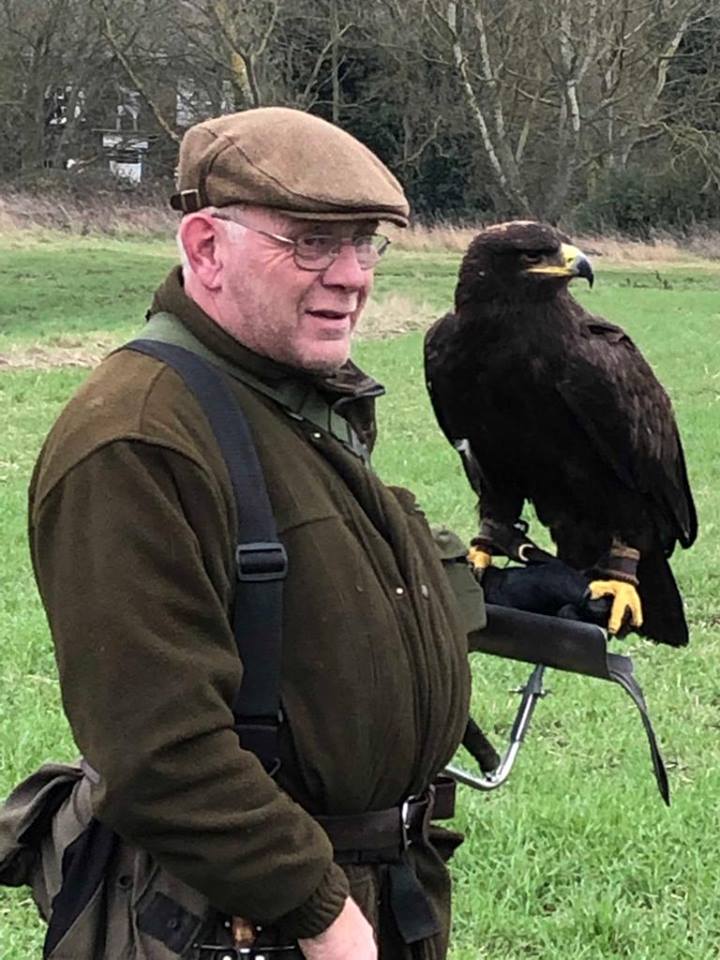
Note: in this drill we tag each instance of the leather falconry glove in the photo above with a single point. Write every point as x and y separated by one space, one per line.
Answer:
550 587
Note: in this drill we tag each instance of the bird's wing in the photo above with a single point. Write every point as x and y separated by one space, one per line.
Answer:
459 419
438 342
617 400
440 355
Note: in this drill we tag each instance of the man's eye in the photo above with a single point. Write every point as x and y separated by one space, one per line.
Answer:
316 244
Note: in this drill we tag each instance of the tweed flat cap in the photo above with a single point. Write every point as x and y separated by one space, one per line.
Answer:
294 162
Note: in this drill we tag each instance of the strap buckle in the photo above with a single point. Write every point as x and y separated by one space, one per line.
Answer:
408 816
187 201
259 735
260 561
405 840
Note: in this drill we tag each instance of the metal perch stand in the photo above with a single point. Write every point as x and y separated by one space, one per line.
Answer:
564 645
531 693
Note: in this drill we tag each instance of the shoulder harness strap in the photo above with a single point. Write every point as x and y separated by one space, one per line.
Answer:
261 560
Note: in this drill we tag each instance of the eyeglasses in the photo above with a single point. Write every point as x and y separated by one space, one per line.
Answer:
316 251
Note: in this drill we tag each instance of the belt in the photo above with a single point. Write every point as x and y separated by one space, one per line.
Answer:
378 836
211 951
382 836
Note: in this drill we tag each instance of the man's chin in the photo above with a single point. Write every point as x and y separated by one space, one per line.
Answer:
325 364
324 356
319 356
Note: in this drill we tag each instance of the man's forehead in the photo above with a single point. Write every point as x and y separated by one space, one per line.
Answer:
332 227
296 226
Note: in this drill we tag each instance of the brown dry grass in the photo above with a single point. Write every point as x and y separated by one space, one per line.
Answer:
120 215
384 318
393 315
20 211
441 236
662 248
85 351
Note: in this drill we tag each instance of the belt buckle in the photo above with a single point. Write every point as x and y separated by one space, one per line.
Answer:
216 951
405 823
426 798
405 840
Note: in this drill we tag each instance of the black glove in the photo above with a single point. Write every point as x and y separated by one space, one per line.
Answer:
551 587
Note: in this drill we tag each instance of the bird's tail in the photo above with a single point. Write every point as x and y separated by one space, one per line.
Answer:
663 614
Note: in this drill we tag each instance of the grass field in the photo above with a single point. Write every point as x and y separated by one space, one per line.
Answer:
576 857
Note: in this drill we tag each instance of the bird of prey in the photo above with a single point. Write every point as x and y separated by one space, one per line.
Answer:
549 404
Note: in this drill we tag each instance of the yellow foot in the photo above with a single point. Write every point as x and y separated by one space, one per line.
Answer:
625 606
243 932
480 559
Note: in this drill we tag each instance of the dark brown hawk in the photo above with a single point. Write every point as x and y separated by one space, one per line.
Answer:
550 404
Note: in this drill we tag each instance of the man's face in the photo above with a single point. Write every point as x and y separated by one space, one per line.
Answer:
302 318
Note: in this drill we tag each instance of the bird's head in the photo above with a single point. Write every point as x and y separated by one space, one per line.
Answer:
519 260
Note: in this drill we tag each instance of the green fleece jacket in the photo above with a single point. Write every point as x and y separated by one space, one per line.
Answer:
132 531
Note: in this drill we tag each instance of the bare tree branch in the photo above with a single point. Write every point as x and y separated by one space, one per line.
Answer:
135 79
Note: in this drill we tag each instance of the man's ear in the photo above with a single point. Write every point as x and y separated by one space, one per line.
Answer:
200 239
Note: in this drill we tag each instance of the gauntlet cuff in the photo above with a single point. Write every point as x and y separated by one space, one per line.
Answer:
509 540
620 563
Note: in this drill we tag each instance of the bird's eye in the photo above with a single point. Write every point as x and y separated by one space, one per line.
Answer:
532 257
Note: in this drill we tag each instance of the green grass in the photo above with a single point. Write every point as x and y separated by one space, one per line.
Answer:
75 285
576 857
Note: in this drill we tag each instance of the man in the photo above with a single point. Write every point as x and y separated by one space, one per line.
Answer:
132 523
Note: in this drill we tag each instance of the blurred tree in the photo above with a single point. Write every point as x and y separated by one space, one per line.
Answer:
484 108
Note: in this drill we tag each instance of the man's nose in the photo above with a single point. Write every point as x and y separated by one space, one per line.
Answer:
345 271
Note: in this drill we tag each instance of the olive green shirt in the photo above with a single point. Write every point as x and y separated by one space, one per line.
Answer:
132 532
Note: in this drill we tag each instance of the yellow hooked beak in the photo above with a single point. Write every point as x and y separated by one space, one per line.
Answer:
575 264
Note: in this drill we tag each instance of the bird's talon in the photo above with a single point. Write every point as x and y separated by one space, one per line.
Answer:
626 605
480 559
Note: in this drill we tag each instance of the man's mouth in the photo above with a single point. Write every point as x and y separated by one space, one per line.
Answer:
330 314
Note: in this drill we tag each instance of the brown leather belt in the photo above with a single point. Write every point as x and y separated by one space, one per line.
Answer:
381 836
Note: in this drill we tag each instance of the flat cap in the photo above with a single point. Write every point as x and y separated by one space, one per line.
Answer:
292 161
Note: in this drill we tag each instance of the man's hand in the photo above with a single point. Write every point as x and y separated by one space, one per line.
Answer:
349 937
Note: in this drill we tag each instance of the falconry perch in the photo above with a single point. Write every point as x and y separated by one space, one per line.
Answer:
550 404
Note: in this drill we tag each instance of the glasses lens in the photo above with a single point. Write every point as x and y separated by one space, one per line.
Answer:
316 248
317 251
370 248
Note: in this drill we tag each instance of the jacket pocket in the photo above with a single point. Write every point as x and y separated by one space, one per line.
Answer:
116 903
84 870
103 898
26 817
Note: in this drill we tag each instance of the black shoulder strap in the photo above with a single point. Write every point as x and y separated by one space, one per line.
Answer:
261 559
